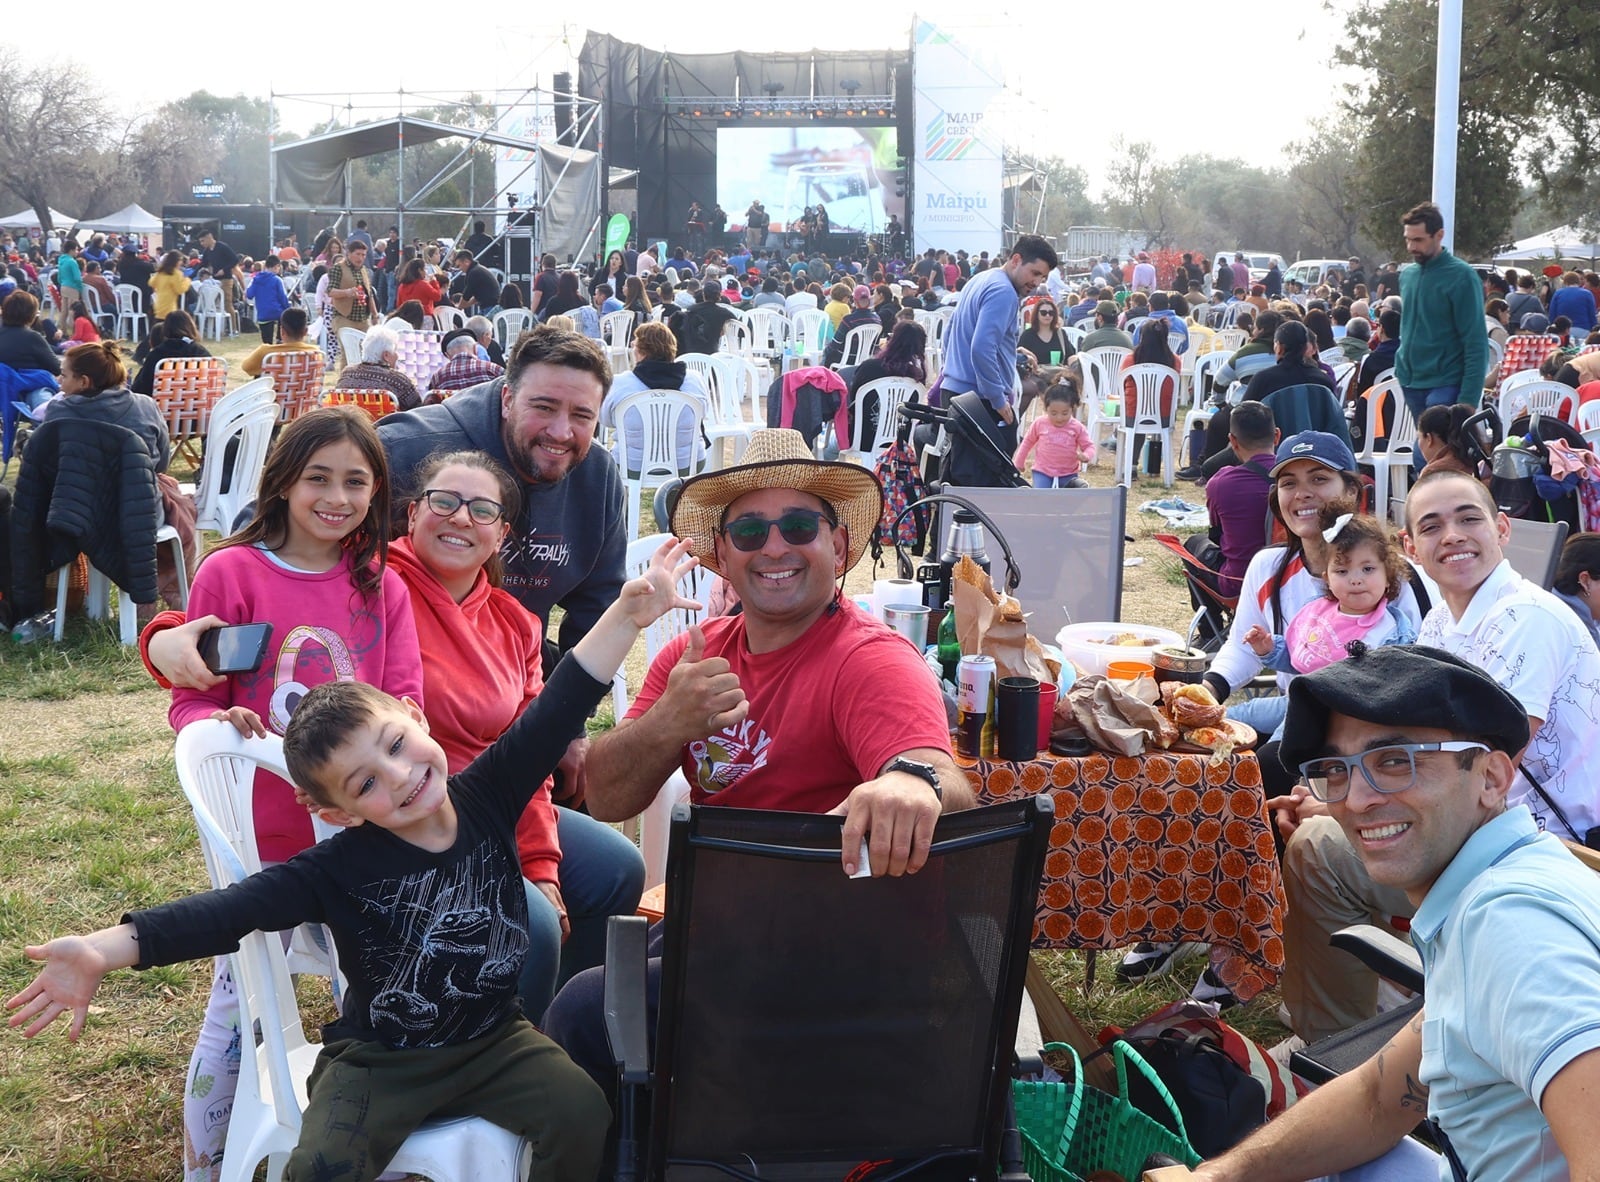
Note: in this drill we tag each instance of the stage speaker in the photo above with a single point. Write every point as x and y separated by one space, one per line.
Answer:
520 259
563 88
905 112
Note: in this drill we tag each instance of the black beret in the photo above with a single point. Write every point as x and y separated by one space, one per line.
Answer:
1411 685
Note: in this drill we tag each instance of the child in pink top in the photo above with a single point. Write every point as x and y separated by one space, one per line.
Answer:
311 564
1366 574
1062 441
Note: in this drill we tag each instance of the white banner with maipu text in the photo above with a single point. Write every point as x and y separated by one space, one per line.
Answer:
958 163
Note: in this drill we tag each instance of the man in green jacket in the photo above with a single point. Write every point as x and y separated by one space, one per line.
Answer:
1444 346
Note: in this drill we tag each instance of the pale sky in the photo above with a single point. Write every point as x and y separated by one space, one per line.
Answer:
1092 84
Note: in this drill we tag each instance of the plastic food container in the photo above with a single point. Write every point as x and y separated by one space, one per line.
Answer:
1087 645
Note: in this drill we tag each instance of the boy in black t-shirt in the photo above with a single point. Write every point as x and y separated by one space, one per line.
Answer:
423 893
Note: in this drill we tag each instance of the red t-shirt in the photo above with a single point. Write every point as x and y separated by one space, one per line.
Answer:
826 713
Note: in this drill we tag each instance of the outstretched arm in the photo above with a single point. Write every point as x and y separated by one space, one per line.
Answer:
643 601
74 966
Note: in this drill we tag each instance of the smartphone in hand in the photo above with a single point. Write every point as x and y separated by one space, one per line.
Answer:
237 648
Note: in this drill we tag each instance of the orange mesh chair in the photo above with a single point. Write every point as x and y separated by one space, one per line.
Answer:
296 381
376 403
186 388
1213 610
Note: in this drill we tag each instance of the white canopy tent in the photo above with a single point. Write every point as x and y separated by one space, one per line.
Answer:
1563 242
27 220
131 219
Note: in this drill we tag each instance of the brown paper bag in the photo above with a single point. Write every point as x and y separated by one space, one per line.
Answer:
1117 721
994 625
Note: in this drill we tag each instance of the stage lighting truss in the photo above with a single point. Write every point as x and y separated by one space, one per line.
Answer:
871 107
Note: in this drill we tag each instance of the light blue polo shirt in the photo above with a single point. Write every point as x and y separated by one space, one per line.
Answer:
1510 944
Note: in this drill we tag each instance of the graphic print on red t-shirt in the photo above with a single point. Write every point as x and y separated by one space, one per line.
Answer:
721 760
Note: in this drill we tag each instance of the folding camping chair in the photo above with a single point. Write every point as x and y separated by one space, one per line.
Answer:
1213 615
914 981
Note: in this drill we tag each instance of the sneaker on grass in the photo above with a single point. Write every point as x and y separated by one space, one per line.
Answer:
1147 961
1210 988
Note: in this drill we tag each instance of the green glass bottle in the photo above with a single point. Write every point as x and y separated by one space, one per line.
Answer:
949 646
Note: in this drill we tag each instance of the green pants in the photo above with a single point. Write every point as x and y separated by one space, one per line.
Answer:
365 1099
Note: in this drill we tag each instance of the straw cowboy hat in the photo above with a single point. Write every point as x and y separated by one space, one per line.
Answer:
779 458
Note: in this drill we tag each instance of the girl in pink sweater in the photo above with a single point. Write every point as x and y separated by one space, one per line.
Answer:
1062 441
311 564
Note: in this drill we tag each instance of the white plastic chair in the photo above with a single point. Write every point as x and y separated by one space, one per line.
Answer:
91 304
209 313
248 414
1100 368
1589 423
1199 380
1536 398
97 599
1227 340
616 329
658 414
809 325
892 394
447 318
216 770
509 323
1395 461
350 341
132 323
1523 377
1148 419
858 343
650 827
736 338
770 331
724 379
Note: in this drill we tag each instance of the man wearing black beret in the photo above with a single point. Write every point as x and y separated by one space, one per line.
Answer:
1533 646
1410 750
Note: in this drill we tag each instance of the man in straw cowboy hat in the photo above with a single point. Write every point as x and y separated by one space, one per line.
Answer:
802 702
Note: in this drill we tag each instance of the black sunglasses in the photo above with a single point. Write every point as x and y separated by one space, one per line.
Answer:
798 527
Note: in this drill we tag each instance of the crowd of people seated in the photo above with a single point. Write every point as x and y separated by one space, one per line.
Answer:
508 511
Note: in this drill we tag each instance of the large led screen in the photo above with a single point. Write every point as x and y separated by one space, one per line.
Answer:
848 170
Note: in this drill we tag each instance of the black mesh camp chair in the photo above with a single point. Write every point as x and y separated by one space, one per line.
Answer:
817 1027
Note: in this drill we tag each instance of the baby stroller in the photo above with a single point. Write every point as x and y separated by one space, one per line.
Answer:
974 454
1520 479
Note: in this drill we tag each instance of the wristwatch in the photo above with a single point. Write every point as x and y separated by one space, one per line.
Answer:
923 771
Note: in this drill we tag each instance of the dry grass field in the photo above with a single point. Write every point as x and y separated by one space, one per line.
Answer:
92 824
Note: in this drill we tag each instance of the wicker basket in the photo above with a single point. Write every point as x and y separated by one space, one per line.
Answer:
1070 1130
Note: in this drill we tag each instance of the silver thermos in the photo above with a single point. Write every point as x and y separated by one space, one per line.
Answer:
964 540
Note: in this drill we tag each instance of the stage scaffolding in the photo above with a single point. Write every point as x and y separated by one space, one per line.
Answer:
568 194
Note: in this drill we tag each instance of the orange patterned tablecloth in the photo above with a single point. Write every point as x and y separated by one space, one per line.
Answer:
1155 847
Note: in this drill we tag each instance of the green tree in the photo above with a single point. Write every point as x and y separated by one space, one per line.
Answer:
1141 195
1322 174
52 118
1530 91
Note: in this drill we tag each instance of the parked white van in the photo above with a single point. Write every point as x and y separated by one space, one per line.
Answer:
1311 272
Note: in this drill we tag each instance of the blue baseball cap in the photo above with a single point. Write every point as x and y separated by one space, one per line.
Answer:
1328 450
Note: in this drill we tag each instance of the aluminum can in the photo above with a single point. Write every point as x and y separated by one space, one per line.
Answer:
975 730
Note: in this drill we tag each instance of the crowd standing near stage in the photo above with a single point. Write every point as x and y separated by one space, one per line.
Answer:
1393 808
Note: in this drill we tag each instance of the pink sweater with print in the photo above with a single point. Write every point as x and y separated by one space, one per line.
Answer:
322 630
1058 446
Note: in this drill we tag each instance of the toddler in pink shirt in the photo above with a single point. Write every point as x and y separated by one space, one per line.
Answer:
1061 442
